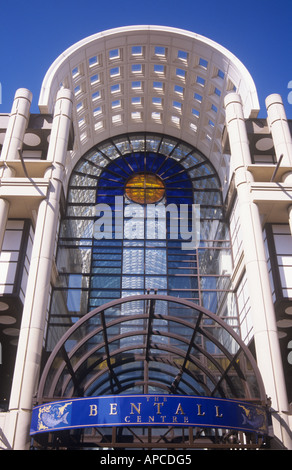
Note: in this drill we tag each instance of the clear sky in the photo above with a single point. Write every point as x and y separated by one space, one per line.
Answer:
33 33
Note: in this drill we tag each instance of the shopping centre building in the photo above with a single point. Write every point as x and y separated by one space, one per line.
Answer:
146 252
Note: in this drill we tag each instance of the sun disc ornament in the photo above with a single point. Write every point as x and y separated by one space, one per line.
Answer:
145 188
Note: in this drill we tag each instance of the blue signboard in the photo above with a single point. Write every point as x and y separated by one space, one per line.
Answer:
149 410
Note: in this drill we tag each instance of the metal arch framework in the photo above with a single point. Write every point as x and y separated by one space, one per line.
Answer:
99 364
192 65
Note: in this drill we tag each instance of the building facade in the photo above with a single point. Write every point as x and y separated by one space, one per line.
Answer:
145 236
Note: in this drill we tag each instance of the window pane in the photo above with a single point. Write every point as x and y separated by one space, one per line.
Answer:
155 261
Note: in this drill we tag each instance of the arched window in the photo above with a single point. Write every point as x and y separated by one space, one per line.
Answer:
142 304
143 213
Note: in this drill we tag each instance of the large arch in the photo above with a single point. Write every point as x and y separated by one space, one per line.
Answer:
149 78
93 270
153 350
151 323
148 81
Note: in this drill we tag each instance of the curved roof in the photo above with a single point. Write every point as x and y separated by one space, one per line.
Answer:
149 78
145 341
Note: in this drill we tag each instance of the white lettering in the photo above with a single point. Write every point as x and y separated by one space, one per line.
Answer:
179 410
200 411
218 415
168 459
133 220
93 410
112 460
102 227
137 408
290 92
158 407
113 408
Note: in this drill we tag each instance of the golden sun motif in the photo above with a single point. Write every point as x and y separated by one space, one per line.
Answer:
145 188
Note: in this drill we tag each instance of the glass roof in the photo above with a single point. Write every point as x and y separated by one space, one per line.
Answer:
151 344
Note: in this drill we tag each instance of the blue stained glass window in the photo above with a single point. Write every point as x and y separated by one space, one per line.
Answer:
105 282
179 192
121 265
155 261
93 270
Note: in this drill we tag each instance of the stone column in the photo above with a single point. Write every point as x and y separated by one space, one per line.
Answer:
29 351
279 128
17 125
282 140
264 323
4 210
12 144
289 211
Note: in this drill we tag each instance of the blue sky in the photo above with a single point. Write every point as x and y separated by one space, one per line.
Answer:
34 33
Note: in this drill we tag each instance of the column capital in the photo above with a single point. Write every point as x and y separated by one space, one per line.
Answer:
23 93
21 103
232 98
64 93
237 134
58 145
233 107
279 128
17 125
274 98
63 103
275 109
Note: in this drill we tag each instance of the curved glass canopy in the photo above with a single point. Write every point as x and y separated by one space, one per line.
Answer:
151 344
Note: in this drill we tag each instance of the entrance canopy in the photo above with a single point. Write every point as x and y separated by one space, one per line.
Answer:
112 374
151 344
